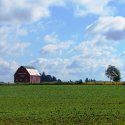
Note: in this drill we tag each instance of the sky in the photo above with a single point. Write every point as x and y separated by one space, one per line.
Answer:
69 39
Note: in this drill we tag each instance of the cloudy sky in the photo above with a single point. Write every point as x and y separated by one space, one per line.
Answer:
70 39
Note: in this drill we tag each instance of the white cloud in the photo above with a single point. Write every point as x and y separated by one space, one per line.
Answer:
85 7
10 45
56 48
56 67
77 67
112 28
51 38
34 10
18 48
89 58
89 49
26 10
107 23
13 49
7 70
53 45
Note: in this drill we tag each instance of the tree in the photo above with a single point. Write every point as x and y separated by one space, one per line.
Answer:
43 77
54 79
59 80
86 80
113 73
79 82
48 78
90 80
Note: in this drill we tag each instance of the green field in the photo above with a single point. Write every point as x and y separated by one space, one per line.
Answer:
62 104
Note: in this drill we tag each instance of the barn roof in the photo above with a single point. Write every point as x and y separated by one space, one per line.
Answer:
32 71
29 67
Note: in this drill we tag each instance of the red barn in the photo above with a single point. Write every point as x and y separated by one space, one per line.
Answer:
27 74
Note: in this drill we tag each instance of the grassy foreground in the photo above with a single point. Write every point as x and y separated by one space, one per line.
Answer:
62 105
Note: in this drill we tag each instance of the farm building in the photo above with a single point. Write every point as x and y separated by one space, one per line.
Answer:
27 74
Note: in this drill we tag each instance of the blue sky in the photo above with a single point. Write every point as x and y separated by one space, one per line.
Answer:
70 39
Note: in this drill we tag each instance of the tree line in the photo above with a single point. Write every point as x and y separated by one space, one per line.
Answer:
49 78
111 72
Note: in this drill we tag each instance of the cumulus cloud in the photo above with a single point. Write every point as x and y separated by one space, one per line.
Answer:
7 69
10 45
92 50
53 45
16 49
25 10
85 7
89 57
56 67
56 48
112 28
77 67
34 10
115 35
51 38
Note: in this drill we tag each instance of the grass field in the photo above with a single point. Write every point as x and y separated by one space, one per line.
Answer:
62 104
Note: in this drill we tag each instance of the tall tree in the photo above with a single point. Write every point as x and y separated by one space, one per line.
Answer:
86 80
113 73
43 77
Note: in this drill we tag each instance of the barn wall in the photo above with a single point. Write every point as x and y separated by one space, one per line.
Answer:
21 76
34 79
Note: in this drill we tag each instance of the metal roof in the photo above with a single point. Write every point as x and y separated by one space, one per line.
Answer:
29 67
32 71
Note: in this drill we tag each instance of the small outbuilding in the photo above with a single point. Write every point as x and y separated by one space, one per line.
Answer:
27 74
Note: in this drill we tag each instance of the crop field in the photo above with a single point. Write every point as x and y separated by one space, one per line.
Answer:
62 105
